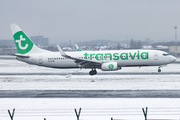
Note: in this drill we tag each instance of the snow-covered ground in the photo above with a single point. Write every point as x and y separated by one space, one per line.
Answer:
59 79
92 108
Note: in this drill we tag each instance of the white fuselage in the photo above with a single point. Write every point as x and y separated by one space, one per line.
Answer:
124 58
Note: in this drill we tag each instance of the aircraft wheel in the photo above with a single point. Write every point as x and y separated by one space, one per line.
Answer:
91 72
95 72
159 70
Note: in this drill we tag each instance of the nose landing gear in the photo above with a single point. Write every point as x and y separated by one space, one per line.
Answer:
93 72
159 70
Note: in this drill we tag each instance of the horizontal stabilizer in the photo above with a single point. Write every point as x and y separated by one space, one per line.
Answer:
21 55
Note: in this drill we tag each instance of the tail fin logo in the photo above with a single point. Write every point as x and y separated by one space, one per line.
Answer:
19 43
23 43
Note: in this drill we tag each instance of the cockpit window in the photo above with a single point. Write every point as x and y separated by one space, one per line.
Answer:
165 54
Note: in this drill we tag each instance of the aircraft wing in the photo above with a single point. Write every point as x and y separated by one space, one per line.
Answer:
81 62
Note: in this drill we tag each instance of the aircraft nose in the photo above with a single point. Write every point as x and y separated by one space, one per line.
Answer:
172 59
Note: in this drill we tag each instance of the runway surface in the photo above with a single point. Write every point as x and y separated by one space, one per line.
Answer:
89 93
105 73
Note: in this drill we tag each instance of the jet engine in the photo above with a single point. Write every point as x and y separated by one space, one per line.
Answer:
109 66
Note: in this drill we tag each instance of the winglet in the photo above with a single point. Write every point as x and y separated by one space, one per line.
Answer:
61 51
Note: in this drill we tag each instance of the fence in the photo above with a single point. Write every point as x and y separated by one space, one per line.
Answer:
77 113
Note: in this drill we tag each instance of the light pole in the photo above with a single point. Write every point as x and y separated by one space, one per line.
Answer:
175 27
127 41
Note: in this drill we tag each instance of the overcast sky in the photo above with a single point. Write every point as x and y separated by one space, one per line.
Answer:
83 20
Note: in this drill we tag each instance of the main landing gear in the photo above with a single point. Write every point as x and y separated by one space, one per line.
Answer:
93 72
159 70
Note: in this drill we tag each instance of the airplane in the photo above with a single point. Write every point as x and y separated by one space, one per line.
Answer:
78 49
110 60
99 48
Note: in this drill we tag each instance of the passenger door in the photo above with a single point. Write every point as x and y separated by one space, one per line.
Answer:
155 56
40 60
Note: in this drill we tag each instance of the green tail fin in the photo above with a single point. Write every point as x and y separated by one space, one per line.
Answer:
23 43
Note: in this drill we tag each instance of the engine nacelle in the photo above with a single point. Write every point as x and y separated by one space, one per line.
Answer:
109 66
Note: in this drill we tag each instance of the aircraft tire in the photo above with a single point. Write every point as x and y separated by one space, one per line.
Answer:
95 72
159 70
92 72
